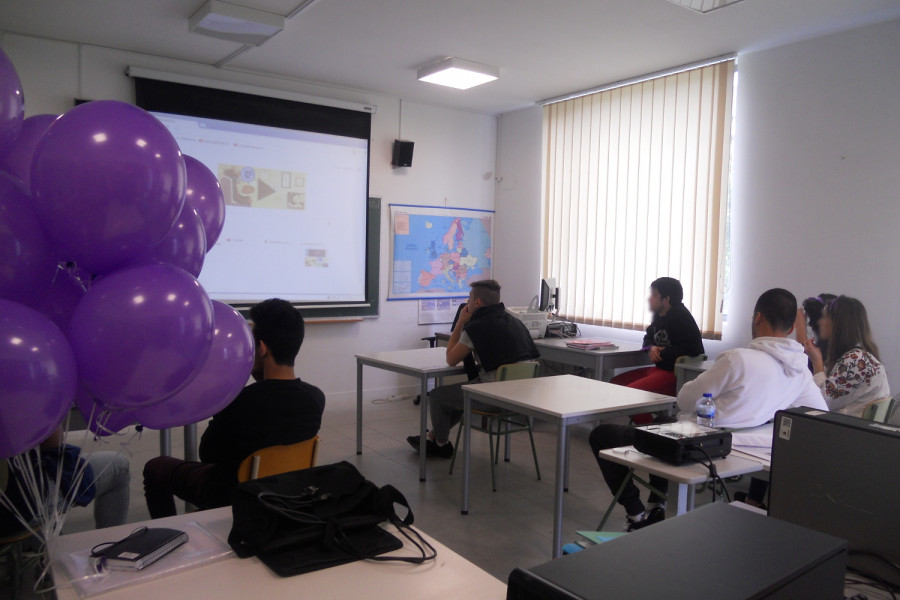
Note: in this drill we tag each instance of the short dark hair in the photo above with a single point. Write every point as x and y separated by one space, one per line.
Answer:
488 290
778 307
280 326
669 287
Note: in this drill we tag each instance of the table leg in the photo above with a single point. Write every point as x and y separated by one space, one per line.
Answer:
423 427
568 451
190 442
165 442
359 407
681 503
467 436
561 459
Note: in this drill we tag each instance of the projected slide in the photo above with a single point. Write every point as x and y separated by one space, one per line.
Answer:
295 219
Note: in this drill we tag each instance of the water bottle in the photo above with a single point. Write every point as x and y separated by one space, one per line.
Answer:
706 411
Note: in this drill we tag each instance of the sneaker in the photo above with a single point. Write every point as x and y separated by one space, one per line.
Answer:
431 447
650 517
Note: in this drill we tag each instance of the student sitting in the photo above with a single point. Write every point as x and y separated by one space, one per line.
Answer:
104 482
850 375
278 409
496 338
748 385
807 326
673 333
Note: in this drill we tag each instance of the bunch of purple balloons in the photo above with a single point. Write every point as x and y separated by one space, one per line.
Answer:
104 226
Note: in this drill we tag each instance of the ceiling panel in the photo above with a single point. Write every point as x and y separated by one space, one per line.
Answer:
543 48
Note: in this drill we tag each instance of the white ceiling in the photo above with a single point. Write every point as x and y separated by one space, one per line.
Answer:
544 48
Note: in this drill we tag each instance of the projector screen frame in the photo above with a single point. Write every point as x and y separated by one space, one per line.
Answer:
156 95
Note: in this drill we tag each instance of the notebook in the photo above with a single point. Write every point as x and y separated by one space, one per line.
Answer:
141 548
591 345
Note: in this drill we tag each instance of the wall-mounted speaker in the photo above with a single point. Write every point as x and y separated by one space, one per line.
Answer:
402 155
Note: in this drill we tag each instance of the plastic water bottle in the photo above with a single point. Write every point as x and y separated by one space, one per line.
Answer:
706 411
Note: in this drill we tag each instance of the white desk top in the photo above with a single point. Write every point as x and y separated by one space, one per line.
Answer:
448 576
566 396
419 360
690 473
623 347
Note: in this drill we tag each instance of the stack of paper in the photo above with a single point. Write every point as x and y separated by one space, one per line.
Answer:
591 345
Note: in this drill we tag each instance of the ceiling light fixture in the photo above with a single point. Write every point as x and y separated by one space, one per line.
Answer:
457 73
704 6
235 23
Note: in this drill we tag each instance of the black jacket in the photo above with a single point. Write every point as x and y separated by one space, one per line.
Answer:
677 333
499 338
270 412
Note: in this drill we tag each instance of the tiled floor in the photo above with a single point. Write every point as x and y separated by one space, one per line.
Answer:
504 529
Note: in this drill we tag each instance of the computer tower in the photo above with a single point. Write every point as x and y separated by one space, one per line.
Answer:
839 475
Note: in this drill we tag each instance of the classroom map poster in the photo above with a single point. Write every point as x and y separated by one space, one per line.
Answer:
437 252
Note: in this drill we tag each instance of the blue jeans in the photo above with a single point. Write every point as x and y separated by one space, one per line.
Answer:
112 476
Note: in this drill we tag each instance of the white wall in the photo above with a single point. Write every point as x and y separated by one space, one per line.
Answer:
816 181
453 165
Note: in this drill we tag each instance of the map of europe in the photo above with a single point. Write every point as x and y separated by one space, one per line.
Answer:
439 255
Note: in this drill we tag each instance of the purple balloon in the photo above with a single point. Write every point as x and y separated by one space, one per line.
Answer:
184 246
12 104
141 334
37 378
108 182
220 380
205 194
61 299
17 161
27 259
102 420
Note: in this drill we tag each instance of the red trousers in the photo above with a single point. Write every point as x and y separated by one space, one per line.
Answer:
649 379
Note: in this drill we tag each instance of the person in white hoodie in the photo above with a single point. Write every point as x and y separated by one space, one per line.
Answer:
750 384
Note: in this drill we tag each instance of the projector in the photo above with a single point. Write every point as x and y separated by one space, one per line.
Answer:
679 442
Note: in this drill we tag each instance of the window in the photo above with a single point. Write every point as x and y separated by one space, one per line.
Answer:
635 188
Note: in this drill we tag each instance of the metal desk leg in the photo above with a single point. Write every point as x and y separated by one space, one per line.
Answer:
165 442
684 498
423 427
568 451
467 436
191 451
359 408
561 459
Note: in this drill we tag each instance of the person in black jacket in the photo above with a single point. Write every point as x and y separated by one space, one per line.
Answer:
672 333
496 338
278 409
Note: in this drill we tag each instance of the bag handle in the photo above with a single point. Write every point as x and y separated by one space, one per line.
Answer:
388 496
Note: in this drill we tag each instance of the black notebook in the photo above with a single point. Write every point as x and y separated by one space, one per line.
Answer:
141 548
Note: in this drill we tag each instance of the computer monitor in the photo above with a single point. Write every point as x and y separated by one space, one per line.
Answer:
549 294
838 475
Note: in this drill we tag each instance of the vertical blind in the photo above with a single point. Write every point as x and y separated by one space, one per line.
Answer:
635 188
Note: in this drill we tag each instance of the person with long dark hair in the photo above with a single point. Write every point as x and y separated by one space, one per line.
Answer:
850 373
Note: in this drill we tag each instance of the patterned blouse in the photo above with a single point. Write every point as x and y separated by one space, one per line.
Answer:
856 379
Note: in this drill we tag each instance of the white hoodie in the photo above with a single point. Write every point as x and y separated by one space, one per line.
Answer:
750 384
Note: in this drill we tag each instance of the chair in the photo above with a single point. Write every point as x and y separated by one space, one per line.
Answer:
878 410
275 460
503 423
686 360
12 545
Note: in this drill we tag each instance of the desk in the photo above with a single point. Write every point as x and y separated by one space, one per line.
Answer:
601 363
421 363
690 371
563 400
686 476
448 576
